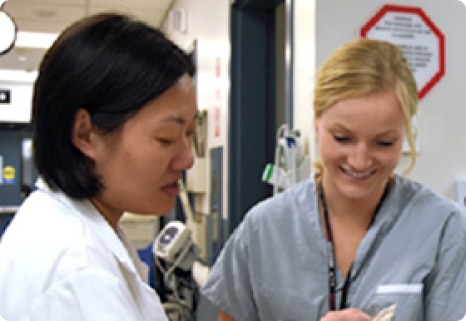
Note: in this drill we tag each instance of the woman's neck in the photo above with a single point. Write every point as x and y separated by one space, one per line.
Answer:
346 220
353 211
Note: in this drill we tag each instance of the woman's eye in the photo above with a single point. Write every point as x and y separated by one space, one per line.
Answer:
385 143
165 141
341 139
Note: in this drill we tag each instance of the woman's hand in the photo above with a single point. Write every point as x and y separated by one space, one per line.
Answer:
346 315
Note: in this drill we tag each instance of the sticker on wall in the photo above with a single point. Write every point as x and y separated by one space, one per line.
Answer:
8 175
421 41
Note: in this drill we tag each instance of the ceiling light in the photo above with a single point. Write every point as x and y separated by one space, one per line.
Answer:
18 75
37 40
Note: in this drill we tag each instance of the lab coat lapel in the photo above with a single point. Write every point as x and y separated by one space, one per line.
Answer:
135 271
117 243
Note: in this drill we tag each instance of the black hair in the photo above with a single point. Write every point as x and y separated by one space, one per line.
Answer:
109 64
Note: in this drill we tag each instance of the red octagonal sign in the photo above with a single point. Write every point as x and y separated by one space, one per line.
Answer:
422 43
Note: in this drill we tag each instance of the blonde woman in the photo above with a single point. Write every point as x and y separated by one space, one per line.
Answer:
356 238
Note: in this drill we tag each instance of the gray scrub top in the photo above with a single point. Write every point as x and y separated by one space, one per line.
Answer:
275 265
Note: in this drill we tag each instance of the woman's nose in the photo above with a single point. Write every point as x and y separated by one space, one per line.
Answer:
185 158
360 157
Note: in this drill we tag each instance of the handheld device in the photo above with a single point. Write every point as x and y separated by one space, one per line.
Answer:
174 254
174 237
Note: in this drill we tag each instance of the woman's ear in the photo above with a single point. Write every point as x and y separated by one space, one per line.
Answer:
82 133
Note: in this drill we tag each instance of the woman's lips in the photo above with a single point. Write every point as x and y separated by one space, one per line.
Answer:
171 189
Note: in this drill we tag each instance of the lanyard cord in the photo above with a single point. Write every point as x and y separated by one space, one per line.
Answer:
332 280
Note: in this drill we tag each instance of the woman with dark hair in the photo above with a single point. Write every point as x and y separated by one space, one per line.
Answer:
113 118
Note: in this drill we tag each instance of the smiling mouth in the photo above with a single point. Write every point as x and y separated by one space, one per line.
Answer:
355 175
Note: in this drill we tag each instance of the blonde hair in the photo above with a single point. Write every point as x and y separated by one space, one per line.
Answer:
363 66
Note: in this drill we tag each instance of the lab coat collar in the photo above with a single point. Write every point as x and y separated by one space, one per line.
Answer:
115 241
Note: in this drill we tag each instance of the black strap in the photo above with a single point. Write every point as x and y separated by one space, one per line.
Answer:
332 277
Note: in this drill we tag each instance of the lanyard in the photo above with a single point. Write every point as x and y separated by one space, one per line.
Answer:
332 279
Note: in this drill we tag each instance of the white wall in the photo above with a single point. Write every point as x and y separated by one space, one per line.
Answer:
442 157
208 23
304 68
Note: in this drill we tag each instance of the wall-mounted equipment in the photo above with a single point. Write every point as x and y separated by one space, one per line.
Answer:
291 165
18 173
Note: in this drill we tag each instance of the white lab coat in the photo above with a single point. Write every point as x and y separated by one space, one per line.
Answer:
60 260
